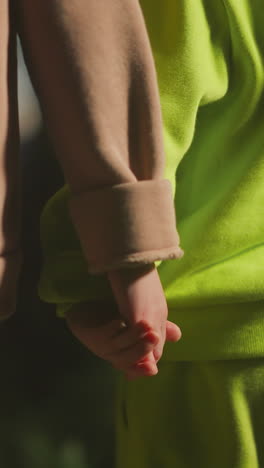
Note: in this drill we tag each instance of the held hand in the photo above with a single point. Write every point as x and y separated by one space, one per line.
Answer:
100 328
131 333
140 296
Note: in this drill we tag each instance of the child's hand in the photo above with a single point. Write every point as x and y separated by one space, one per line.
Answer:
101 329
140 296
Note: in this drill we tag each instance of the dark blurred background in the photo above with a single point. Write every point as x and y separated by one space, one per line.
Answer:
57 399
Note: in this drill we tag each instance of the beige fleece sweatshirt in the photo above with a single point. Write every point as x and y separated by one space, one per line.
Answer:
92 67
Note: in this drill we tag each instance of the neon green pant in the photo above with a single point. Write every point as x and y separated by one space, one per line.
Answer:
199 414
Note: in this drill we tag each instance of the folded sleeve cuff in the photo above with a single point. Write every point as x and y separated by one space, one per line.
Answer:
126 224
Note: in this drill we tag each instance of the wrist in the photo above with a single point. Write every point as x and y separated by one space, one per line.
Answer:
131 272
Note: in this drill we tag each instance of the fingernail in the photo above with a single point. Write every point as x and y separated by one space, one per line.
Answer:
151 337
144 326
147 367
141 365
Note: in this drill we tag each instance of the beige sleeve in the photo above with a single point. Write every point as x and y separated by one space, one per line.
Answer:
91 64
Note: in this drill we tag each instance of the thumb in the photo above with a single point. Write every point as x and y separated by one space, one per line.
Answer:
173 332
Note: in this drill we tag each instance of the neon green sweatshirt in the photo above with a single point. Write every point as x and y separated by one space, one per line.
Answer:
209 58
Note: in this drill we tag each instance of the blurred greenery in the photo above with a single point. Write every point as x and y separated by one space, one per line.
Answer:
57 399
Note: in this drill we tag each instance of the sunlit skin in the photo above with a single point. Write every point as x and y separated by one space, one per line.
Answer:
131 333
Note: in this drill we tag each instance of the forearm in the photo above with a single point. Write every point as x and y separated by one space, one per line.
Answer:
93 70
